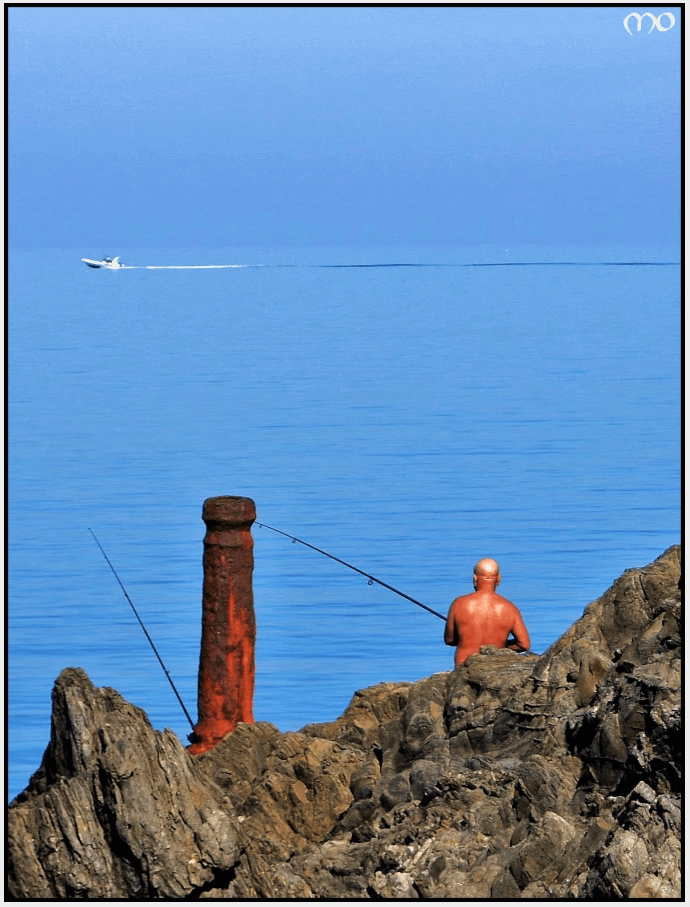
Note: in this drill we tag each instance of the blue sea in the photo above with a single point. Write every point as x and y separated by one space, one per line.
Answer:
409 418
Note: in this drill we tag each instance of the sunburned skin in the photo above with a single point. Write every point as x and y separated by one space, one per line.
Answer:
484 618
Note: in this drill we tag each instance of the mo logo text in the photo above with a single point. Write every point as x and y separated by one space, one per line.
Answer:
656 22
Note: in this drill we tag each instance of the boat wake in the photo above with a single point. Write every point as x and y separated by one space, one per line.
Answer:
402 264
192 267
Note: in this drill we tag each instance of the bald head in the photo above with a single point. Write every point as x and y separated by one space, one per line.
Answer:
487 572
486 567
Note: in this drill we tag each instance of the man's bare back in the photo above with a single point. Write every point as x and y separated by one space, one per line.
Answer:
484 618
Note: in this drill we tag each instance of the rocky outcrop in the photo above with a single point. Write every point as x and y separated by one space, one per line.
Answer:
510 777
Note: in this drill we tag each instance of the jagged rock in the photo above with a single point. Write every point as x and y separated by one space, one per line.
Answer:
116 809
551 777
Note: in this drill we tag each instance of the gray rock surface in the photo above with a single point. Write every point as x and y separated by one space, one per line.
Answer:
510 777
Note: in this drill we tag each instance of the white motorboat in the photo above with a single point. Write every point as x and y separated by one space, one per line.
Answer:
111 263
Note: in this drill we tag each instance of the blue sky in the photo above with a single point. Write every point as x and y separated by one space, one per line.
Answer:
222 126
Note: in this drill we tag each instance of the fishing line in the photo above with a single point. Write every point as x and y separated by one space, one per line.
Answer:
372 579
141 623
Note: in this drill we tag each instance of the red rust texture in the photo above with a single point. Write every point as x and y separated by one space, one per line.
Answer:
226 666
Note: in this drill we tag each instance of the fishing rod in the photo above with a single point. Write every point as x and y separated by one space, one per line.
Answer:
372 579
167 674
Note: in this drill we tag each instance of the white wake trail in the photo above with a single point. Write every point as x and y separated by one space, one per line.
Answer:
176 267
192 267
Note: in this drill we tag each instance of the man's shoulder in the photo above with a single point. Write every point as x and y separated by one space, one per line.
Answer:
461 599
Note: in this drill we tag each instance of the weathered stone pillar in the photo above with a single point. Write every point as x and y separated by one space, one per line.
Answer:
226 665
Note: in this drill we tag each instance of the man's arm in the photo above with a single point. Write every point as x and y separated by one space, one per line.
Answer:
520 637
450 636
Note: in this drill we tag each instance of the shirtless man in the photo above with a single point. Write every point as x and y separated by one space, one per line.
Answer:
484 618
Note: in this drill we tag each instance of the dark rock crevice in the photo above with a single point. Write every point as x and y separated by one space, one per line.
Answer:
220 882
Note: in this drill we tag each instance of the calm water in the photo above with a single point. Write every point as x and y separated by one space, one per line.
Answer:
408 420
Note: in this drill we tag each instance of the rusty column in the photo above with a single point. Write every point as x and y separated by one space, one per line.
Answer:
226 666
